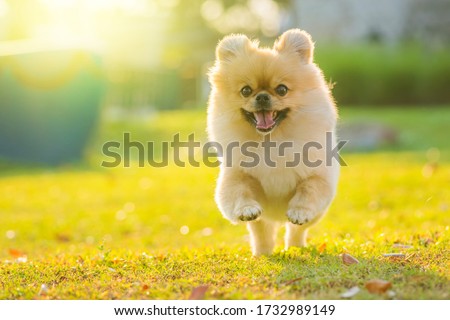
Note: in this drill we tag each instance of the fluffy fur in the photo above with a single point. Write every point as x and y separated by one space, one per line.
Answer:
263 196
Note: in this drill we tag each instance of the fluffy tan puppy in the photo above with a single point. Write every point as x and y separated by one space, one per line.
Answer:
277 94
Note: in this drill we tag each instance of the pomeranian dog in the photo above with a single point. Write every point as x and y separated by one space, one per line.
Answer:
273 95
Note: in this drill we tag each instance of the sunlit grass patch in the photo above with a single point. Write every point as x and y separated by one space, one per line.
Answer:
155 233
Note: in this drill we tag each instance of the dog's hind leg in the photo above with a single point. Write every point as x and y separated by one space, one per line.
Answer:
262 236
295 235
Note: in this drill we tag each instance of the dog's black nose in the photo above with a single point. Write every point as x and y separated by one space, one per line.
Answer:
263 100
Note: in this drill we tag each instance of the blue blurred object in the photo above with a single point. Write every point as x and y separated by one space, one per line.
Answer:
49 104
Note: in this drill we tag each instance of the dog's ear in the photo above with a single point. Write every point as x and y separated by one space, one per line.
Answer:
231 46
296 40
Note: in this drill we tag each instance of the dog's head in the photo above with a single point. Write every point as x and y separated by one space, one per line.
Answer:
264 85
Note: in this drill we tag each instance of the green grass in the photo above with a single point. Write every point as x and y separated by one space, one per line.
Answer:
91 233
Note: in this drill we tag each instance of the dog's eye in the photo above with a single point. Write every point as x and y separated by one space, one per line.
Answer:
281 90
246 91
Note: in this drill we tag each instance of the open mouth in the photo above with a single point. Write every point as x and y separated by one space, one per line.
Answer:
265 120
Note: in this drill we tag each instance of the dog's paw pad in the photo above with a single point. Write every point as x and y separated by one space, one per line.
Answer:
300 216
248 213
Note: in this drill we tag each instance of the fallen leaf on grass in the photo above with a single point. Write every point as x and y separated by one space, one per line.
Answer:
16 253
289 282
378 286
118 260
322 247
350 292
348 259
198 293
61 237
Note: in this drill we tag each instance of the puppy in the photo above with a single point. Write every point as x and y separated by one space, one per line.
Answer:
273 95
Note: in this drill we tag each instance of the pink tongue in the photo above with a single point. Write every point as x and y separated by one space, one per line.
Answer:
264 119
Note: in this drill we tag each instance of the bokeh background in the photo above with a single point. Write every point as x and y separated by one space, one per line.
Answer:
69 65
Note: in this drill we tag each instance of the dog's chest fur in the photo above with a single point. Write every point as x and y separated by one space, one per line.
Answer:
276 178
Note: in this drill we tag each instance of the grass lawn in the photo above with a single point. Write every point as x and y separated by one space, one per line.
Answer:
85 232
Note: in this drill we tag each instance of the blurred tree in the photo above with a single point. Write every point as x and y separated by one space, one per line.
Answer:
157 50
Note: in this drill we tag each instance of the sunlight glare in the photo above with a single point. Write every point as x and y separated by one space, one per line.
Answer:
212 9
4 8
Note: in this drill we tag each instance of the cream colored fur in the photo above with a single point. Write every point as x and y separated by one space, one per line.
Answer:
263 196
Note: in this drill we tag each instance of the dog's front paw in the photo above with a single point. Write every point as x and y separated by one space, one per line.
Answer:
300 215
248 212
